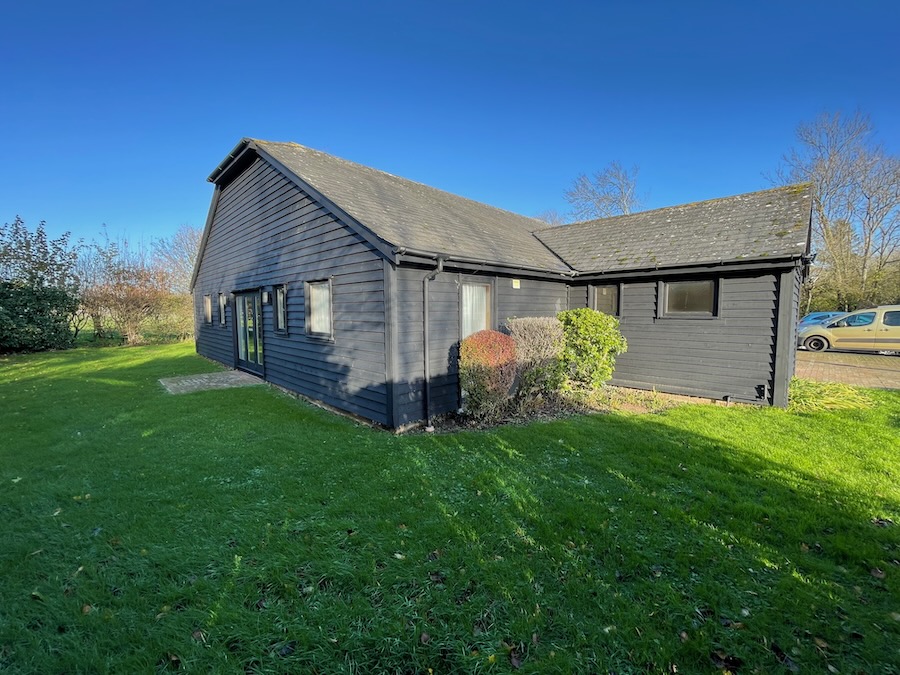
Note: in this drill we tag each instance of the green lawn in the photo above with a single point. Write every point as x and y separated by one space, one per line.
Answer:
245 531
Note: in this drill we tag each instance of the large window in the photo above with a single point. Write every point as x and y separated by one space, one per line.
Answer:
475 309
318 309
606 299
207 309
280 309
689 298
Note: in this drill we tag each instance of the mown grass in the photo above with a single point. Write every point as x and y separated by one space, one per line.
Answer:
245 531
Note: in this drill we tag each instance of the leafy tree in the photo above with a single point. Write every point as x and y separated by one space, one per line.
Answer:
856 210
38 288
610 192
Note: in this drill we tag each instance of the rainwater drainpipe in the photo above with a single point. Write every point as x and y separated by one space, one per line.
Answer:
430 277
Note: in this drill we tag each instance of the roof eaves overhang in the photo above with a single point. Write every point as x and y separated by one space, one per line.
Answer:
740 265
230 159
455 261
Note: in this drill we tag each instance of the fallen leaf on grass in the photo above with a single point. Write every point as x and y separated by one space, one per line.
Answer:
832 669
877 573
40 550
515 659
16 480
37 595
172 659
725 661
534 638
820 643
784 659
424 638
199 636
684 636
895 616
86 609
399 556
57 512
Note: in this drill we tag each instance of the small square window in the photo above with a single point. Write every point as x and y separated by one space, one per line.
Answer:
606 299
688 299
318 309
207 309
223 303
281 309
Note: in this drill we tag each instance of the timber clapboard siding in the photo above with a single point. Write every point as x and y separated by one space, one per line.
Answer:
266 231
731 355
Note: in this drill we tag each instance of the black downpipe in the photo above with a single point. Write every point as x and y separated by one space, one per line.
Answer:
430 277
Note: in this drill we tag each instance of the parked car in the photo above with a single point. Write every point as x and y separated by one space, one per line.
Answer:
873 330
818 317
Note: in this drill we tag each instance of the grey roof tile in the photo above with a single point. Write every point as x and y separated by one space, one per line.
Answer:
759 225
403 213
416 216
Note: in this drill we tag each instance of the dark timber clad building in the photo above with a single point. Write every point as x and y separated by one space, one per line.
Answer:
354 287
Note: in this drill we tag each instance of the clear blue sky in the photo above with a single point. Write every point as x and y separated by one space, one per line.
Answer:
116 112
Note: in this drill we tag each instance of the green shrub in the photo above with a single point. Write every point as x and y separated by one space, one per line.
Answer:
539 345
592 342
487 368
35 318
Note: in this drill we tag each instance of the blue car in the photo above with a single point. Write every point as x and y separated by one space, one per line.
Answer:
819 317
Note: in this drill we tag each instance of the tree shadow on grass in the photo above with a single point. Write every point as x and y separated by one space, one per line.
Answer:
674 547
299 540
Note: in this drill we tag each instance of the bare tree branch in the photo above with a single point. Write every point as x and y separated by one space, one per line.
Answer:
856 207
610 192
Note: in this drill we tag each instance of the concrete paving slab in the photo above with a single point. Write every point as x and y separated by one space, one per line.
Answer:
221 380
862 370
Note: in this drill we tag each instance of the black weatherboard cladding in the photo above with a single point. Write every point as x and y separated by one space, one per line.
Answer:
266 231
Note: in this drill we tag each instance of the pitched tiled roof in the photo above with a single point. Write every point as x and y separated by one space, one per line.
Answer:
404 214
760 225
415 216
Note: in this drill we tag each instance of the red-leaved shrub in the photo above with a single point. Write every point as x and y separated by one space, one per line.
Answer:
487 368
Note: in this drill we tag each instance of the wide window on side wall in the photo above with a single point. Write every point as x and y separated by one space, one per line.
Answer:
319 321
606 298
475 308
689 299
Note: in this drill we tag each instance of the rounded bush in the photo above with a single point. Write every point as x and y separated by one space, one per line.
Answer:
539 345
593 340
487 368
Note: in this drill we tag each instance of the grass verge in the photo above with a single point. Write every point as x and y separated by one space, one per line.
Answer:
244 531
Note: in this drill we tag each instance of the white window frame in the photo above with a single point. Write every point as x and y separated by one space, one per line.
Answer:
489 306
308 301
281 318
223 304
207 308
